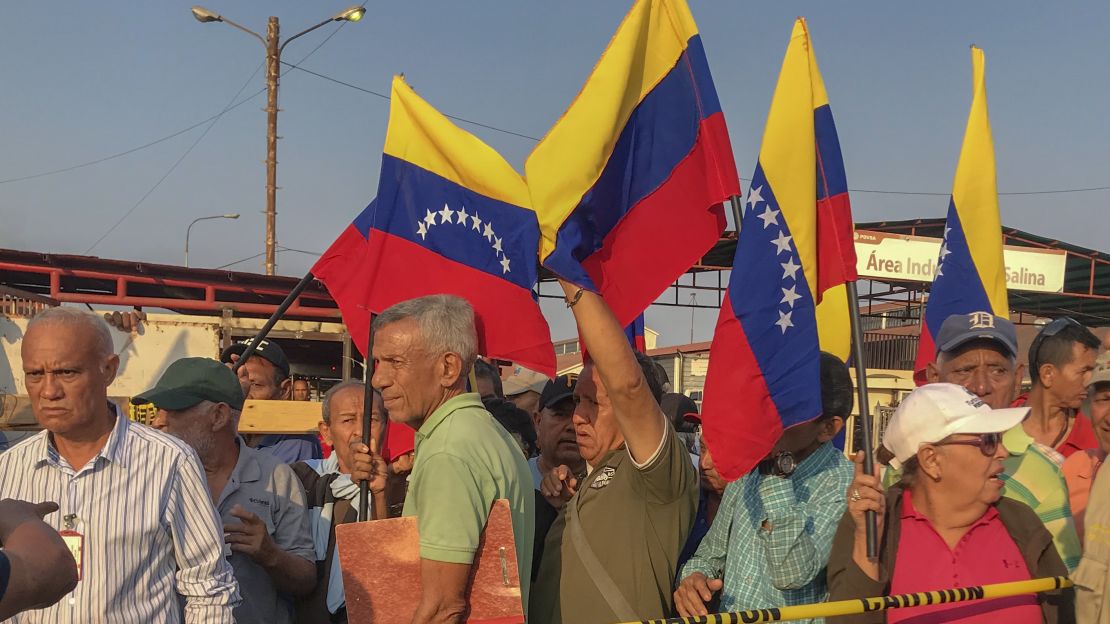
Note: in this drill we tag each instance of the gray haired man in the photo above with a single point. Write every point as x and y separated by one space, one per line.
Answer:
423 349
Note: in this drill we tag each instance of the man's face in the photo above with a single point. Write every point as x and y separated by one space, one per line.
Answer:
982 367
801 440
1100 414
66 375
346 423
1069 381
411 380
262 375
595 426
710 478
193 426
528 401
555 434
300 390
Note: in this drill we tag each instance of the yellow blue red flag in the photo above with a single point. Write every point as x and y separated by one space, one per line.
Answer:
971 273
628 184
795 247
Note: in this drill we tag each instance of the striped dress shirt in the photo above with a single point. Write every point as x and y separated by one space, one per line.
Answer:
150 530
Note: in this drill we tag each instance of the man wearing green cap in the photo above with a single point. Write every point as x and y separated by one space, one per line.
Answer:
258 497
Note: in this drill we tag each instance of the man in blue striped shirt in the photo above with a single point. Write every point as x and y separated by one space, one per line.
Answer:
134 502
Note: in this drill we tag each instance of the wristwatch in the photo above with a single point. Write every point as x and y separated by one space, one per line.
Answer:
780 464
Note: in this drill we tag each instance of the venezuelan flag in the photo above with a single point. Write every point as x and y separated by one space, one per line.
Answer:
635 334
971 273
795 245
633 175
451 217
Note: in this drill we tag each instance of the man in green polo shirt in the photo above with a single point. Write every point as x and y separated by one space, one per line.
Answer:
423 349
259 499
612 553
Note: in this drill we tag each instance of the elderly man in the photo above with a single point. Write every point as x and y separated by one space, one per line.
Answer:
979 352
524 388
1061 360
947 442
265 377
1092 577
613 551
423 349
487 381
301 390
133 501
1080 468
333 496
771 542
36 567
258 497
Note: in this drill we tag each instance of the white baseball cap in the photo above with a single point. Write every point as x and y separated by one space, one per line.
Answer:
523 380
933 412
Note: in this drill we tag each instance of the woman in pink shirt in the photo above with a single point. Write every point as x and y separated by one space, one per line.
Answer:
945 525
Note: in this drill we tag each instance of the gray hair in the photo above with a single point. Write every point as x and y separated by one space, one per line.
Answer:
91 322
446 325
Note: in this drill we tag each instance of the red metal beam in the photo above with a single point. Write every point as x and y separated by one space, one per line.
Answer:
195 304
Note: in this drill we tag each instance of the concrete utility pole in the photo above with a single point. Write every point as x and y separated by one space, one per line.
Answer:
273 75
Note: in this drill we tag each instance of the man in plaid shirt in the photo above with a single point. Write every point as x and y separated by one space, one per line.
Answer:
770 541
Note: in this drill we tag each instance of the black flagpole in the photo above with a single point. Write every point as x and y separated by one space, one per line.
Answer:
274 318
367 414
864 412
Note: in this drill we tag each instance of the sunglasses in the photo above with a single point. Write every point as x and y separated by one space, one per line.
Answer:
1050 330
987 443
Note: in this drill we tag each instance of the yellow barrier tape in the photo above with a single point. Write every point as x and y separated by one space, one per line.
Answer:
865 605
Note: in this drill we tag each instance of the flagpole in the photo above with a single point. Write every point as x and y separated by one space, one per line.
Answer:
864 412
737 212
274 318
367 415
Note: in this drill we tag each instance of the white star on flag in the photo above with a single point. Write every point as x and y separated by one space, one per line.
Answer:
782 243
497 244
421 230
430 218
754 196
488 233
944 251
477 223
790 295
769 216
461 217
445 214
784 320
504 264
789 268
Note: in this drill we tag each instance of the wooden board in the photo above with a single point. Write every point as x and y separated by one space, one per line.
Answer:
280 417
380 560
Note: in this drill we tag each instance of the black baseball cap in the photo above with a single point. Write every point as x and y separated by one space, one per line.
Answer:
557 389
189 381
960 329
267 350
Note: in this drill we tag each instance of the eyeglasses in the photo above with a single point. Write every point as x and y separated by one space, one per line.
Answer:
1049 331
987 443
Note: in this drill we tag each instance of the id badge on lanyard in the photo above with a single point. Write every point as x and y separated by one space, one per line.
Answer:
75 542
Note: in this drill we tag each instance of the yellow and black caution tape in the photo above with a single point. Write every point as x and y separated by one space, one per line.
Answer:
865 605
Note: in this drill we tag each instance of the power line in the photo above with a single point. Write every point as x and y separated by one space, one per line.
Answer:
302 251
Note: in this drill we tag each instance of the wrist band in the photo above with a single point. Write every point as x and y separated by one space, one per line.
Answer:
573 300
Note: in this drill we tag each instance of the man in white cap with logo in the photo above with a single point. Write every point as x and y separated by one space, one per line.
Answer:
524 388
948 444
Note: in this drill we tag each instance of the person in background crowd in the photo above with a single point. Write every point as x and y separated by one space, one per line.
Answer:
554 423
612 553
1061 360
137 496
36 567
709 502
301 390
333 495
947 442
487 380
979 352
524 387
1081 468
265 377
517 422
771 541
465 461
258 498
682 413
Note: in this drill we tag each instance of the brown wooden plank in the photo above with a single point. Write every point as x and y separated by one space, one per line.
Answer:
280 417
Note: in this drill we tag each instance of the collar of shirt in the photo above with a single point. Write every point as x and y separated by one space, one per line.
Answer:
246 470
468 399
1082 436
909 512
113 449
1016 440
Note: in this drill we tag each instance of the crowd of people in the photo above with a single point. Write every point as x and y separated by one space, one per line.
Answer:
103 519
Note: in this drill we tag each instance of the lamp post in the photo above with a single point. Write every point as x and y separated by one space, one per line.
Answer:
189 229
273 74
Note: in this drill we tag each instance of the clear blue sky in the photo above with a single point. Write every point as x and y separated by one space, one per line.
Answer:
83 80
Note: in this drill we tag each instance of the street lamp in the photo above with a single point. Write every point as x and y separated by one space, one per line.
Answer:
273 73
189 229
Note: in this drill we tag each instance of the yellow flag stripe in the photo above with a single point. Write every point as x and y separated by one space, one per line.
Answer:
421 135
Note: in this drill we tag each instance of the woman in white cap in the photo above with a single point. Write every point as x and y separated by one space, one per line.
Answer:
945 524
